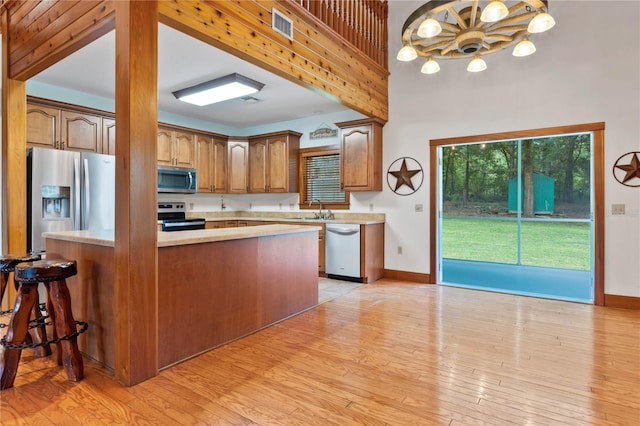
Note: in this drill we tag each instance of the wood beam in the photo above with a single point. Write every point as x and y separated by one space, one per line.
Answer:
14 161
136 293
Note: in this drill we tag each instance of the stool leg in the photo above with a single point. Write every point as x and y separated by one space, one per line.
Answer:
4 279
17 333
64 325
52 316
39 333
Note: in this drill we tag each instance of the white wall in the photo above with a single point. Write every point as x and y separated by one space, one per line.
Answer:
586 69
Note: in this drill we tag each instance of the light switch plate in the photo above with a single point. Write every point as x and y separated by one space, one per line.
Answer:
617 208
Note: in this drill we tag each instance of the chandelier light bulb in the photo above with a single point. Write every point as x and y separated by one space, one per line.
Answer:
477 64
495 11
430 67
524 48
429 28
541 23
407 53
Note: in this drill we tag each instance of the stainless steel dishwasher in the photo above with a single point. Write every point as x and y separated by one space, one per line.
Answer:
342 251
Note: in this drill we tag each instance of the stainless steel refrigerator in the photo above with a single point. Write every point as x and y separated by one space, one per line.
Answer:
67 191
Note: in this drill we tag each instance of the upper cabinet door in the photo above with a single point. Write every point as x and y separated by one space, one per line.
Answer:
80 132
204 154
42 126
219 165
184 151
238 162
165 146
361 155
258 167
108 136
278 155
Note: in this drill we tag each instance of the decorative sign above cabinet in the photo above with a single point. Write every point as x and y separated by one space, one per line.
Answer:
324 131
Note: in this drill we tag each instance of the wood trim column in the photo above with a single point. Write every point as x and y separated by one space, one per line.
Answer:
14 161
598 220
136 266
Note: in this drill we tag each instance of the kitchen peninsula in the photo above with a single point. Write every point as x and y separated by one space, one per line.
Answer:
214 285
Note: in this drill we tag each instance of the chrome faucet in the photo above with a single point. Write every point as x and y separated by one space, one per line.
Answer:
319 214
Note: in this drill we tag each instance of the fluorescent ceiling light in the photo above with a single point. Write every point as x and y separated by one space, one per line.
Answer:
218 90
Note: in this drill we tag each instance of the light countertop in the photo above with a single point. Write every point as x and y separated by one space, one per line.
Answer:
166 239
292 217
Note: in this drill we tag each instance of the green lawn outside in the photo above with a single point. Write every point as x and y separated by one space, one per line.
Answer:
552 244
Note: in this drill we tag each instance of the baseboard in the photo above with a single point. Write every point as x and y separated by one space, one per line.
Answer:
414 277
626 302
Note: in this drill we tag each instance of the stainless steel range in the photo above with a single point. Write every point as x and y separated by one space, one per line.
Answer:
173 217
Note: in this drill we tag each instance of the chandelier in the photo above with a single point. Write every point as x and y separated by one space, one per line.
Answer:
456 29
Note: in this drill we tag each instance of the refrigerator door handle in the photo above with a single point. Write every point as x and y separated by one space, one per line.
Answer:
87 197
76 194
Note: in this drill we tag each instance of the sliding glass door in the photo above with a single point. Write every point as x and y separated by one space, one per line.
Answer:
517 216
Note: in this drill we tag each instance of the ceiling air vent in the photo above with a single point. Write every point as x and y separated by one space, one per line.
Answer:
282 24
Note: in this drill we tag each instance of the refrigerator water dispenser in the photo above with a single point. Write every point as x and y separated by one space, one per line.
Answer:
56 202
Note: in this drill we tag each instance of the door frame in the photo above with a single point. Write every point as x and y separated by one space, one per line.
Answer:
598 184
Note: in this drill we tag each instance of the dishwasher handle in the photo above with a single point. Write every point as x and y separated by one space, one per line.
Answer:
343 231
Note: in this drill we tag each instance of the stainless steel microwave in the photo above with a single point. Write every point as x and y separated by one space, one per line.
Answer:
177 180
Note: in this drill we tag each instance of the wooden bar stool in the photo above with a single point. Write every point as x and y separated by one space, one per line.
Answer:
38 333
53 274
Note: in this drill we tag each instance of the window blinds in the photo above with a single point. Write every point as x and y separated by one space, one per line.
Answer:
322 179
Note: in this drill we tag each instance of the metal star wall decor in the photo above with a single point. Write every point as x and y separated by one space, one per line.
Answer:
405 176
626 169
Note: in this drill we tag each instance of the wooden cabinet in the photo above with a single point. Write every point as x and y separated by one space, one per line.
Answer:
321 252
175 147
211 163
237 163
57 128
321 243
372 252
214 224
361 155
43 126
235 223
108 136
273 162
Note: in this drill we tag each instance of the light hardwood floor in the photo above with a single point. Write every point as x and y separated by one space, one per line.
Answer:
388 353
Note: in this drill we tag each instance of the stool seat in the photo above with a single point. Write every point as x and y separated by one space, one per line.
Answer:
9 261
43 271
52 273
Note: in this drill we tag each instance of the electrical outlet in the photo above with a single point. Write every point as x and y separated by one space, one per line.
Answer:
371 207
617 208
291 206
399 249
190 206
250 206
280 206
418 208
